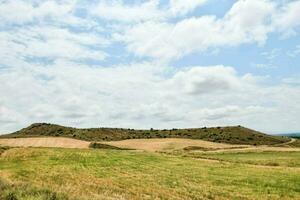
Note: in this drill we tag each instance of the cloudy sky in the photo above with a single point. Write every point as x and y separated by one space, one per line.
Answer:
142 64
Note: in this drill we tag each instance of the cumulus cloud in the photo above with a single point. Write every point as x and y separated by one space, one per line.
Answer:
139 96
165 40
201 80
287 20
248 21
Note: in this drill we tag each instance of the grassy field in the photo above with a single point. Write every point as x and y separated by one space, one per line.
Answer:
50 173
169 144
284 159
60 142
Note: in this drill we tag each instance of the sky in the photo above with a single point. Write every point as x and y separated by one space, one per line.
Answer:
142 64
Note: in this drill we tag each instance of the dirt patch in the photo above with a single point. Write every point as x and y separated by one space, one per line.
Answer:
45 142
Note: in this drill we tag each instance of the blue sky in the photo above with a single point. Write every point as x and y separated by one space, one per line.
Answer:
143 64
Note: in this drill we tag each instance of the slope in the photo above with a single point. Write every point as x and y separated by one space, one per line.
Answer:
231 134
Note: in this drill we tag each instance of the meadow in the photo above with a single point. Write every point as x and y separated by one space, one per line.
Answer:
58 173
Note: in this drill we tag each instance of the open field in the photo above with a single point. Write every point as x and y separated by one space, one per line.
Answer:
56 173
44 142
266 158
170 144
150 145
154 168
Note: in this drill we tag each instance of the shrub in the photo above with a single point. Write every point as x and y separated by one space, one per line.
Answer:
11 196
96 145
272 164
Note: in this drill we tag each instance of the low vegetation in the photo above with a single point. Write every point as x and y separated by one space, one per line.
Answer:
97 145
196 148
3 148
49 173
26 191
231 135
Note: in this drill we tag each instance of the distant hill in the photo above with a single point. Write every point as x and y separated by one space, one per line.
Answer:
291 135
231 135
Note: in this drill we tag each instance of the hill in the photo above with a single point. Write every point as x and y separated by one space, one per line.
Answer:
231 135
291 135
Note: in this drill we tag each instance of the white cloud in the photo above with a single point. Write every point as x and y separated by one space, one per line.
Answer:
287 20
52 43
141 96
203 80
295 80
246 22
270 55
268 65
182 7
145 11
60 13
19 12
117 10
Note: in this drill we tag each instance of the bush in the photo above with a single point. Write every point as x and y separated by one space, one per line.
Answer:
11 196
96 145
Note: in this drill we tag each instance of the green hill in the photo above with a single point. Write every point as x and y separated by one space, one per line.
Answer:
232 134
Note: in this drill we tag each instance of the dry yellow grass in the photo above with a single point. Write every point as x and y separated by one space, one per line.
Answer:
170 144
149 145
166 144
45 142
261 148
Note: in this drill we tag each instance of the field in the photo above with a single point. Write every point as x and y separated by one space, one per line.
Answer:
265 158
170 144
52 162
58 173
44 142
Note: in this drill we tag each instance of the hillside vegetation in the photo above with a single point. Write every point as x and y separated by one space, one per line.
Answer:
231 135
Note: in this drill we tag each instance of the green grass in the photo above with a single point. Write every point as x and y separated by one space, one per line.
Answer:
113 174
26 191
231 135
285 159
